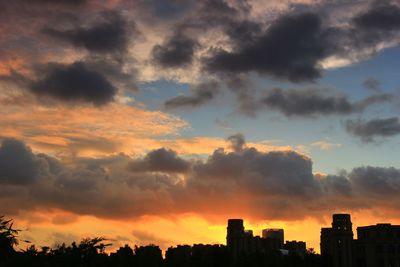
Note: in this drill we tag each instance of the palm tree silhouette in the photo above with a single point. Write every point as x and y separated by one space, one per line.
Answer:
8 237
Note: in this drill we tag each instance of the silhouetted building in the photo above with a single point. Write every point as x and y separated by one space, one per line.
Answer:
337 242
235 238
148 256
242 243
377 246
178 256
296 247
276 237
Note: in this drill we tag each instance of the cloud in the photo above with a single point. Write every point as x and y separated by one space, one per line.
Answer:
177 51
372 84
201 94
18 165
383 17
244 182
313 102
108 35
63 2
146 238
290 48
325 145
237 142
160 160
372 30
189 41
371 129
74 82
169 9
376 182
87 131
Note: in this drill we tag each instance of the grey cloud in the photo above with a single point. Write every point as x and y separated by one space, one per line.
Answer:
312 102
290 48
305 103
215 12
162 160
378 24
200 94
18 165
258 173
371 100
177 51
371 129
108 35
237 142
73 82
376 181
336 185
379 17
121 74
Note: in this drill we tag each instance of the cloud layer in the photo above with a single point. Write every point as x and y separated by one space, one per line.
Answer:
245 182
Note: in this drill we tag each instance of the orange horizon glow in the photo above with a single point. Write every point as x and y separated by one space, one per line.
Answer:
49 228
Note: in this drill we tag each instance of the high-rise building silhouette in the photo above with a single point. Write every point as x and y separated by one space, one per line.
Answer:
377 246
337 242
235 238
241 242
276 237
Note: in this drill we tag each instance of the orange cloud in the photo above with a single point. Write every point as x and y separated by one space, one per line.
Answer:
87 131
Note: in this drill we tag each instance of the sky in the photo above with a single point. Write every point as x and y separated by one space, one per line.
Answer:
154 121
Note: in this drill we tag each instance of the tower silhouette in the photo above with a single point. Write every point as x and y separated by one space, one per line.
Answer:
337 242
235 237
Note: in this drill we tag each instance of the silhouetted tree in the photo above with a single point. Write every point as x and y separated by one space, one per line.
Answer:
123 257
8 238
148 256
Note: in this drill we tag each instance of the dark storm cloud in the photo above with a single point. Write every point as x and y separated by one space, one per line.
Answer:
311 102
74 82
369 130
108 35
201 94
177 51
244 181
18 165
160 160
382 17
290 48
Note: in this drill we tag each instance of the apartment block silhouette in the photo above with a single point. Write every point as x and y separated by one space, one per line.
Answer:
375 246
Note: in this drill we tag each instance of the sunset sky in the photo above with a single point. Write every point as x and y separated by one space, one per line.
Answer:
154 121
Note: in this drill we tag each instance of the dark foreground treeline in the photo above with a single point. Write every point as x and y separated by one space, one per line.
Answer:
91 253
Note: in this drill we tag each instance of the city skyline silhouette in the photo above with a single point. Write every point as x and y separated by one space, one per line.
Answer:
376 246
